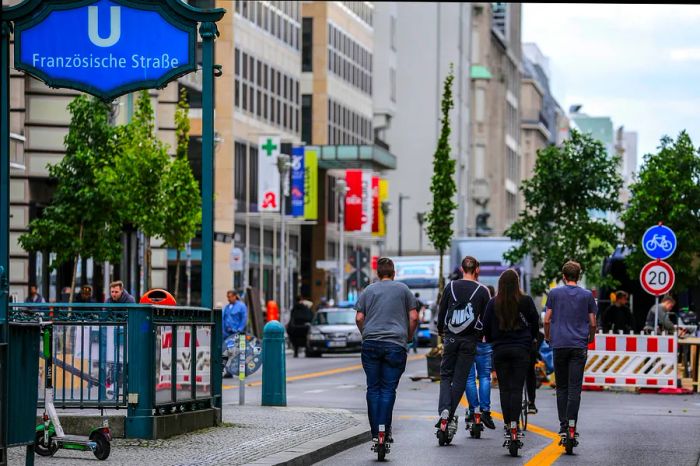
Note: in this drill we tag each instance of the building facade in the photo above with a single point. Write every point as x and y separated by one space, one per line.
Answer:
495 168
413 131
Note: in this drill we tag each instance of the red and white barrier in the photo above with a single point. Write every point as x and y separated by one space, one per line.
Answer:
632 361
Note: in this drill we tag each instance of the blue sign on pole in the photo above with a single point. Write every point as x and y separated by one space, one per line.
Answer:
105 48
659 242
298 181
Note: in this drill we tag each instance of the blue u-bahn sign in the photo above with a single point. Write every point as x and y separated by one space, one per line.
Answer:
105 47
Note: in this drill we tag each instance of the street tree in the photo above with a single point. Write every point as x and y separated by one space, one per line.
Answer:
667 190
82 219
180 191
440 218
135 177
573 189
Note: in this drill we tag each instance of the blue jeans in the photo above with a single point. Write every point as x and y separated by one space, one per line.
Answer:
383 363
482 367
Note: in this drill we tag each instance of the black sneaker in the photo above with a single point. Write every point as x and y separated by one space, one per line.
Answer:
531 408
487 420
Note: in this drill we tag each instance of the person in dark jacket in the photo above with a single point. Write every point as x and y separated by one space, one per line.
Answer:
117 293
85 295
511 325
618 315
298 325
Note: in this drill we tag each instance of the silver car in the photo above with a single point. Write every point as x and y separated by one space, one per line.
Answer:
333 330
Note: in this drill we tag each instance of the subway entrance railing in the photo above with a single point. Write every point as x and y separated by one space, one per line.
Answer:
150 360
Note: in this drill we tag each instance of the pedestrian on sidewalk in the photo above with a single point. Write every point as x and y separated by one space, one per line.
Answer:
299 323
459 323
480 398
235 315
117 293
569 324
511 324
387 318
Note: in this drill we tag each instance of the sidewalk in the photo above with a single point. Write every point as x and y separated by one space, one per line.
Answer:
249 435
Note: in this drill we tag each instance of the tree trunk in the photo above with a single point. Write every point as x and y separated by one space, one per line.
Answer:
75 266
441 286
147 262
177 274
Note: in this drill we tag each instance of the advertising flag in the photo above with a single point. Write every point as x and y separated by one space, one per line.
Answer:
311 183
367 210
375 205
268 174
383 196
297 181
353 200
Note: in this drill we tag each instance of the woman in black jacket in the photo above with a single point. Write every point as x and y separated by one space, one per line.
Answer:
511 325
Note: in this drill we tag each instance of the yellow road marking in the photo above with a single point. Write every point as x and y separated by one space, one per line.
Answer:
313 375
547 455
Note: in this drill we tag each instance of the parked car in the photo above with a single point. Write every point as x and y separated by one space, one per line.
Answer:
333 330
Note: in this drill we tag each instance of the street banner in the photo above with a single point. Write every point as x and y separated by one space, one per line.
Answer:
366 202
353 200
310 183
298 181
375 205
268 174
383 196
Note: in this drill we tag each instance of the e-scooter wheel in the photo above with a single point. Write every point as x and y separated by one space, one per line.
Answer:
102 448
513 448
41 449
381 452
569 446
442 438
477 434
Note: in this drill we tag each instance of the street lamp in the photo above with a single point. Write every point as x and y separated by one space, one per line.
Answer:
283 165
341 189
401 198
420 216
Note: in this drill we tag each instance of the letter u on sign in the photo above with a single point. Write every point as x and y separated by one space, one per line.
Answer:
115 30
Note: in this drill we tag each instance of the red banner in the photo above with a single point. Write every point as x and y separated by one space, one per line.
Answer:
375 204
353 200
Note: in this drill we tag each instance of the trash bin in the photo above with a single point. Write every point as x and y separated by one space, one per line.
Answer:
158 296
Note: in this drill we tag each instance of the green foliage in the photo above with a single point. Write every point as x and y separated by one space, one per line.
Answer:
439 219
568 185
668 190
181 198
135 177
83 219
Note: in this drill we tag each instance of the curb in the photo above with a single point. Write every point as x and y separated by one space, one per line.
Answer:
317 450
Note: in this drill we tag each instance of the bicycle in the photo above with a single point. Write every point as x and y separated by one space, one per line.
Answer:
659 241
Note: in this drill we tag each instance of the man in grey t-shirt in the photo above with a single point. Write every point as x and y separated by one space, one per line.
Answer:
387 318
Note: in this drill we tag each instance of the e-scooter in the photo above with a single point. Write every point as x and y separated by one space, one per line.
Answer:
513 436
475 428
569 439
49 434
383 446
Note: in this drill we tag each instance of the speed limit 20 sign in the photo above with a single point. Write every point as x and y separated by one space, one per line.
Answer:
657 277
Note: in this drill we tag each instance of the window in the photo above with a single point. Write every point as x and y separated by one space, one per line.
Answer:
307 38
480 105
479 161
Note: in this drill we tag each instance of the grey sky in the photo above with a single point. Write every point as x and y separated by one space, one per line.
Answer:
638 64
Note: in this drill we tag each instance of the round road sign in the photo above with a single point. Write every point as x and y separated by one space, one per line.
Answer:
659 242
657 277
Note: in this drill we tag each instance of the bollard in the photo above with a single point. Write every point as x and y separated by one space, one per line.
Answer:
274 371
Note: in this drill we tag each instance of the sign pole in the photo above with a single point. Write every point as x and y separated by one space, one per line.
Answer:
4 230
656 314
241 369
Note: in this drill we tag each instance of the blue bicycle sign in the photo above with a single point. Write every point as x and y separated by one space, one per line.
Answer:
659 242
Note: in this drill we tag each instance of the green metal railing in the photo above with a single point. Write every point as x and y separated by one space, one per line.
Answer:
151 360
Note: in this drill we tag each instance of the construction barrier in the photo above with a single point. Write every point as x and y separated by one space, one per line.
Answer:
632 361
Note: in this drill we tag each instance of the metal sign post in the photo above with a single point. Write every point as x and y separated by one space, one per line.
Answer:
241 369
657 277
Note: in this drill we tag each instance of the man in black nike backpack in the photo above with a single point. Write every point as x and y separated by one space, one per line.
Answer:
459 323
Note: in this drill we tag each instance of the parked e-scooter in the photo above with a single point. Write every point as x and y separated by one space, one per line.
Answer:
49 434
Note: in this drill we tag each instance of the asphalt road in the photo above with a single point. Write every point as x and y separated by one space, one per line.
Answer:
616 427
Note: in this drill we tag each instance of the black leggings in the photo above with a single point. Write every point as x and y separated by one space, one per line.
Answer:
511 363
531 380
